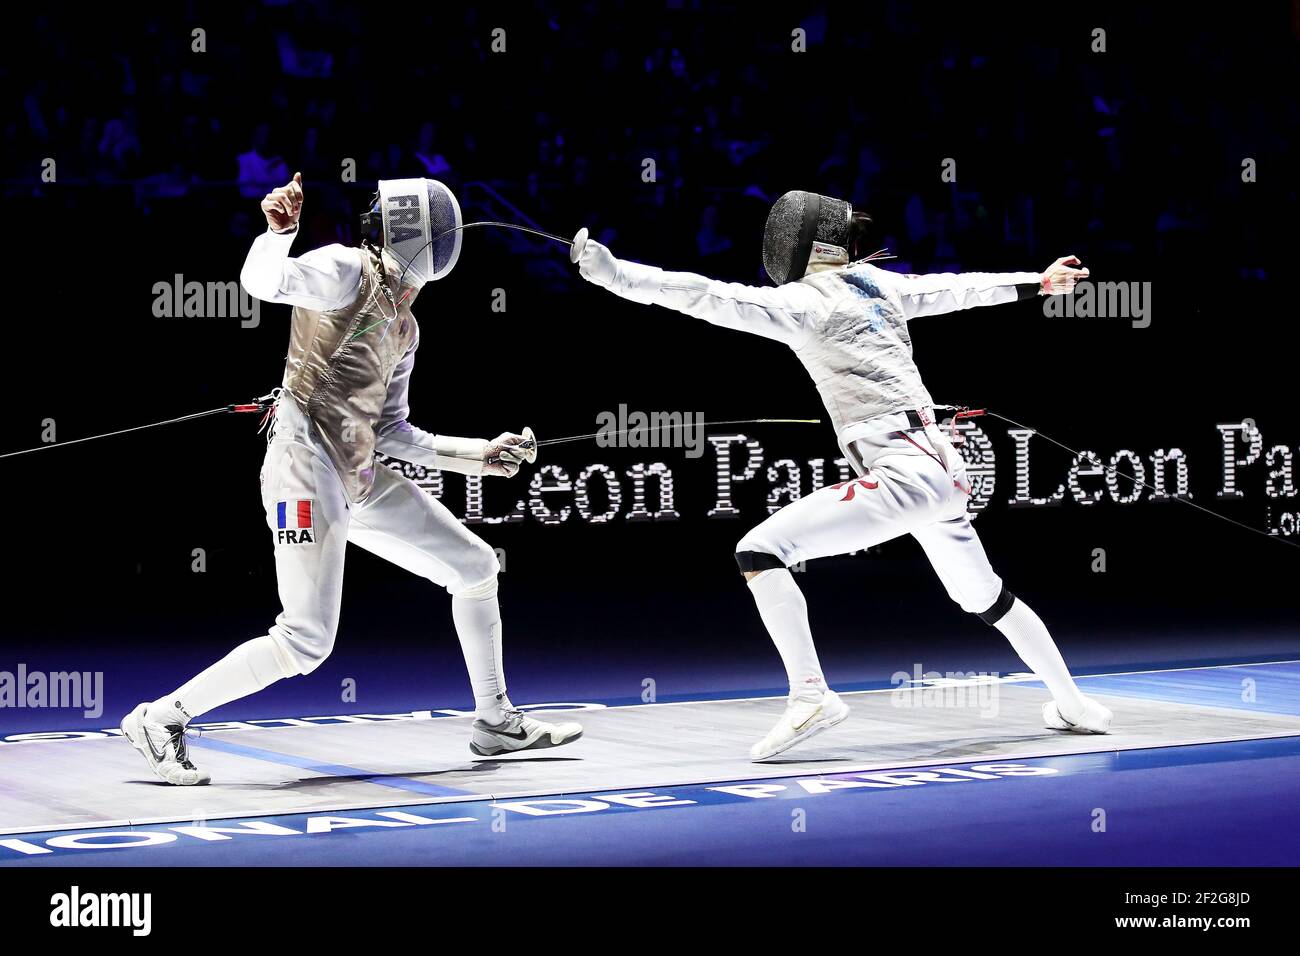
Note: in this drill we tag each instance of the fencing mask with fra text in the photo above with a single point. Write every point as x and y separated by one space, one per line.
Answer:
418 221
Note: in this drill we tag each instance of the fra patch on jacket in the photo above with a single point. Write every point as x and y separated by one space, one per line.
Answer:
293 522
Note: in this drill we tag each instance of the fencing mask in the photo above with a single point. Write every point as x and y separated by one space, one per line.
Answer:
802 225
407 215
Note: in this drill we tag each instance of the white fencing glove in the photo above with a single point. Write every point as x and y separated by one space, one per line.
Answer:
508 451
595 262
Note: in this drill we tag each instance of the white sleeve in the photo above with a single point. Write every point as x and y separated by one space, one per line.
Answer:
323 279
786 313
943 292
397 437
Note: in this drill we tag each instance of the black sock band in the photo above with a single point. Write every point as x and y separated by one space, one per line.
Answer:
999 608
757 561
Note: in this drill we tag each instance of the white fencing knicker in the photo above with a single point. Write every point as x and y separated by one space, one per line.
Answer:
311 522
908 483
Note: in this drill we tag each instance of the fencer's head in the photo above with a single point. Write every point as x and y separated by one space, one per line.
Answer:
418 222
808 229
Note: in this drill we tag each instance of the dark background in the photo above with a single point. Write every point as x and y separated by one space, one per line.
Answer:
1130 159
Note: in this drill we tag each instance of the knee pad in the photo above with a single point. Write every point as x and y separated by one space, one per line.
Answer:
998 609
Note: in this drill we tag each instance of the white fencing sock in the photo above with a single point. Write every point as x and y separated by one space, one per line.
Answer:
784 611
1030 639
245 670
478 625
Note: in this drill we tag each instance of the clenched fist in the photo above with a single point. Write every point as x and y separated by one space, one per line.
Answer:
283 205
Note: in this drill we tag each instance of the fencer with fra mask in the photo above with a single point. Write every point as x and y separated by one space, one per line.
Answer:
352 347
847 322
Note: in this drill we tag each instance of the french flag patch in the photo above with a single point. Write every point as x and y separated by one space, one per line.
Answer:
293 522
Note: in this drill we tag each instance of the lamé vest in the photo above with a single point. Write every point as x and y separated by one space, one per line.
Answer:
340 364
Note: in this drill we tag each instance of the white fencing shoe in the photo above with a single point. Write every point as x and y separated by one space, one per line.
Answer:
802 719
164 748
520 732
1095 718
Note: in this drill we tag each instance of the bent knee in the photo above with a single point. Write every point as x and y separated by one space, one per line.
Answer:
756 552
476 572
992 612
752 563
304 647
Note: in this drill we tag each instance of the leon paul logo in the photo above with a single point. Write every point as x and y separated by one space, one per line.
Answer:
293 522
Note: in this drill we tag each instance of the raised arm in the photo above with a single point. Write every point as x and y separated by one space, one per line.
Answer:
323 279
397 437
951 291
787 313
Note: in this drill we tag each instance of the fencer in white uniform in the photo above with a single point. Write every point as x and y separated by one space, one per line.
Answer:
352 350
847 323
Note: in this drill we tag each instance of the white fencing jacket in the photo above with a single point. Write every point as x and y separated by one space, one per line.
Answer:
327 279
848 325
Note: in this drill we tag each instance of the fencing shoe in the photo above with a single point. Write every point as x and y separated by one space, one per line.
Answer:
1095 718
520 732
802 719
164 747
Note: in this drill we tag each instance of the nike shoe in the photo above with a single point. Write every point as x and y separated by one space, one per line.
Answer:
802 719
520 732
1095 718
164 748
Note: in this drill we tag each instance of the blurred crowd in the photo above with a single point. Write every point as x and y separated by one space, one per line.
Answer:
669 128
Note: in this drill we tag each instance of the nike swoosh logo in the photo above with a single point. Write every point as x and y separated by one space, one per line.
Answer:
810 719
522 735
152 749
